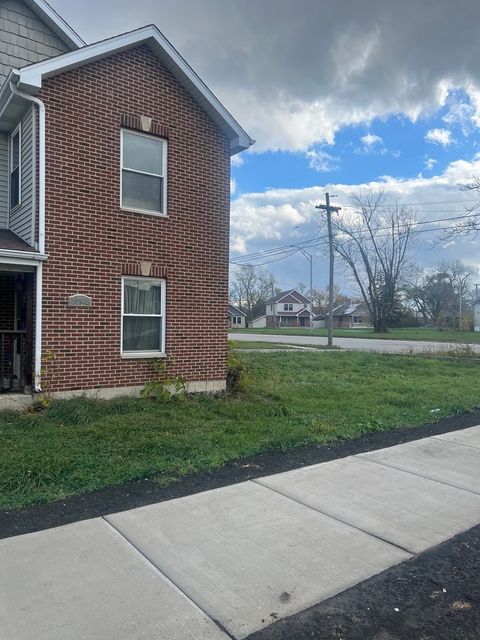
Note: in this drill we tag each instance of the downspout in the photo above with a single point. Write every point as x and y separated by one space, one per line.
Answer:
41 231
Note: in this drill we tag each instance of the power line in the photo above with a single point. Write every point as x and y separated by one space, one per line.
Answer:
307 243
415 204
286 255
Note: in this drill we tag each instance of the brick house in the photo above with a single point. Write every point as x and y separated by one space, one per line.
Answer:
289 309
114 209
351 316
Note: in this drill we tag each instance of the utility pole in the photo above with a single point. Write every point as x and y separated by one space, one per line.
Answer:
326 207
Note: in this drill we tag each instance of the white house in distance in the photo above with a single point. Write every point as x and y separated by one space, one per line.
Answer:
287 309
236 317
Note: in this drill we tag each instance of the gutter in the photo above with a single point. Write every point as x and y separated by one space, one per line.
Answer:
23 255
41 229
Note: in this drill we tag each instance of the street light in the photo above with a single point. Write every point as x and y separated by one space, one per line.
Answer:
309 257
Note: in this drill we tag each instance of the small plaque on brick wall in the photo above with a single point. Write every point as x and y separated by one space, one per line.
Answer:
80 300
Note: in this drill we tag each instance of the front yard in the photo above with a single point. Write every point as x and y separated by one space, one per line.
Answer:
290 399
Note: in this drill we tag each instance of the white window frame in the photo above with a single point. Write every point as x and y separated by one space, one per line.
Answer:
144 354
288 306
163 141
18 129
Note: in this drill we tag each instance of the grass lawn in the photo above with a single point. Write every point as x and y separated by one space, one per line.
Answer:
291 399
410 333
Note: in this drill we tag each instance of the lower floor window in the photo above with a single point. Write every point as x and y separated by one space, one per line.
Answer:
143 316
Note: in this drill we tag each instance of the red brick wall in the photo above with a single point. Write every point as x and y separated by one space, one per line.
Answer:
91 241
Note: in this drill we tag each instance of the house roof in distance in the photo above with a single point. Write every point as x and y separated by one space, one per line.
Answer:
347 309
29 79
291 292
235 311
57 24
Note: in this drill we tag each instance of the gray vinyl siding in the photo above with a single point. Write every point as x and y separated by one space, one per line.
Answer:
22 217
24 38
3 180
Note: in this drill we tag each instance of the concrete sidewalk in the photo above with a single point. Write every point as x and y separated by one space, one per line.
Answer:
228 562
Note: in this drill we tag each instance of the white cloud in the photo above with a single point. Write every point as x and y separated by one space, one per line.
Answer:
238 160
233 186
321 160
430 163
291 92
370 139
261 221
460 114
442 137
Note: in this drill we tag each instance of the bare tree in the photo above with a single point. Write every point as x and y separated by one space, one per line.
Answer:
320 300
251 287
470 223
373 241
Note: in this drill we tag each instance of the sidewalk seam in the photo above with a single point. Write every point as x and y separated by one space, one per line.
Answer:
167 578
417 475
462 444
412 554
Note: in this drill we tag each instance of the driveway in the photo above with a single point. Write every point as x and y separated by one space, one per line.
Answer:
353 344
229 562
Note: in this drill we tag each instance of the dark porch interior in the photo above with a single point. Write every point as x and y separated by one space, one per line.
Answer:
16 320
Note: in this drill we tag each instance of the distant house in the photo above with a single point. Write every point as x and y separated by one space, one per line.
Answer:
236 317
351 316
289 309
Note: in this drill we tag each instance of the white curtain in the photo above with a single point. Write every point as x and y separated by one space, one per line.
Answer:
142 299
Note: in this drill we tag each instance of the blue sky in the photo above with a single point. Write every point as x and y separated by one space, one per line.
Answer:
388 96
397 148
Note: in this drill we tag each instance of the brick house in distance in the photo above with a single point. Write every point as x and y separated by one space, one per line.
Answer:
114 210
351 316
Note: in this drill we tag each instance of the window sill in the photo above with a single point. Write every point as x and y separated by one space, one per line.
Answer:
138 355
157 214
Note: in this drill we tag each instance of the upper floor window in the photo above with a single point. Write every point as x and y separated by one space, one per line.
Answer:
144 165
15 167
288 306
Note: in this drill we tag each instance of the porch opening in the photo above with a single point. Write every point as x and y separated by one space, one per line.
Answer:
16 330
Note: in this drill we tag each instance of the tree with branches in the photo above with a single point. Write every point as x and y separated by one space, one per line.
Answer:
470 223
251 288
373 240
441 295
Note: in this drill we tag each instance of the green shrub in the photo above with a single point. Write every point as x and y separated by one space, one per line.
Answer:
236 370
